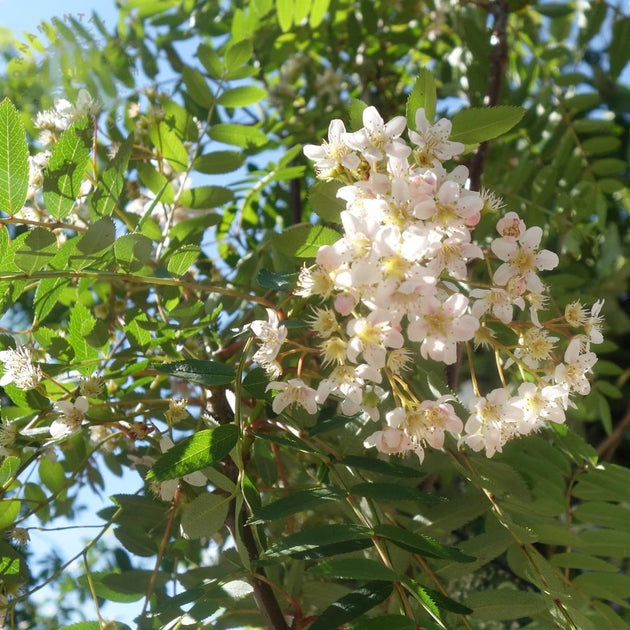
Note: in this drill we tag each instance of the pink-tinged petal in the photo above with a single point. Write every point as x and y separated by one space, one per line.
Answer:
65 407
503 274
456 305
531 238
534 283
464 328
425 209
82 404
448 193
503 248
351 161
503 312
395 417
344 304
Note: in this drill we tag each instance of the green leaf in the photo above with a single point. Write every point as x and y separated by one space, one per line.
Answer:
479 124
218 162
84 625
607 482
276 281
66 168
36 250
99 236
210 61
582 561
238 55
180 261
169 145
431 598
386 622
244 136
423 95
318 11
391 468
205 515
112 180
80 326
354 569
9 510
356 113
613 587
242 96
600 145
9 467
303 241
284 10
604 514
209 373
52 475
204 448
506 603
13 159
418 543
382 491
135 581
133 251
314 537
619 49
295 502
350 606
206 197
324 201
197 87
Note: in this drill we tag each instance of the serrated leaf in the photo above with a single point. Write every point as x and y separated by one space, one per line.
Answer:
354 569
242 96
382 491
133 251
582 561
80 326
314 537
204 448
386 622
112 181
218 162
9 467
508 603
303 241
169 145
180 261
66 168
295 502
206 197
99 236
197 86
209 373
205 515
324 201
36 250
418 543
479 124
381 467
9 510
244 136
352 605
13 159
610 586
423 95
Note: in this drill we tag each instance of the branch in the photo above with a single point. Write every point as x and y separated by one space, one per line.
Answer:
496 71
607 448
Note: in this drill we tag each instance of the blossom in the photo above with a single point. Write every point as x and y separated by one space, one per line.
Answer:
576 315
577 364
522 259
70 417
371 336
497 300
441 325
333 153
391 441
19 368
432 140
176 410
272 335
295 391
538 404
91 386
378 138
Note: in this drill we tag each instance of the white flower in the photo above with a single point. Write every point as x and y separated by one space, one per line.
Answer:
440 326
576 366
333 153
176 410
371 336
432 140
391 441
70 417
511 226
295 391
378 138
522 259
19 369
168 488
91 386
539 404
272 335
497 300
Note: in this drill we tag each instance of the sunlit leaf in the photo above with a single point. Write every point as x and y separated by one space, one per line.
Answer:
13 159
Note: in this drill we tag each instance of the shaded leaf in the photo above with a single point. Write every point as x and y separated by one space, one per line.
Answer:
209 373
423 95
354 569
205 515
296 502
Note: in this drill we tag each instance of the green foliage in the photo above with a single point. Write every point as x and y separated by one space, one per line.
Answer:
164 225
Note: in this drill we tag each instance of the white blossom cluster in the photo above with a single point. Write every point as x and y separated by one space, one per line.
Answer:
398 282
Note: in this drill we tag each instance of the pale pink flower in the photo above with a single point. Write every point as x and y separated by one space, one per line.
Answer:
511 226
496 300
441 325
576 366
522 259
392 441
538 404
371 336
295 391
272 335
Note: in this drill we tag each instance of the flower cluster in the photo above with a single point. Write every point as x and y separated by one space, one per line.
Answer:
400 281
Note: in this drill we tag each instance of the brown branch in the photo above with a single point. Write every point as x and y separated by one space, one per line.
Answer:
263 593
295 201
496 72
607 448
